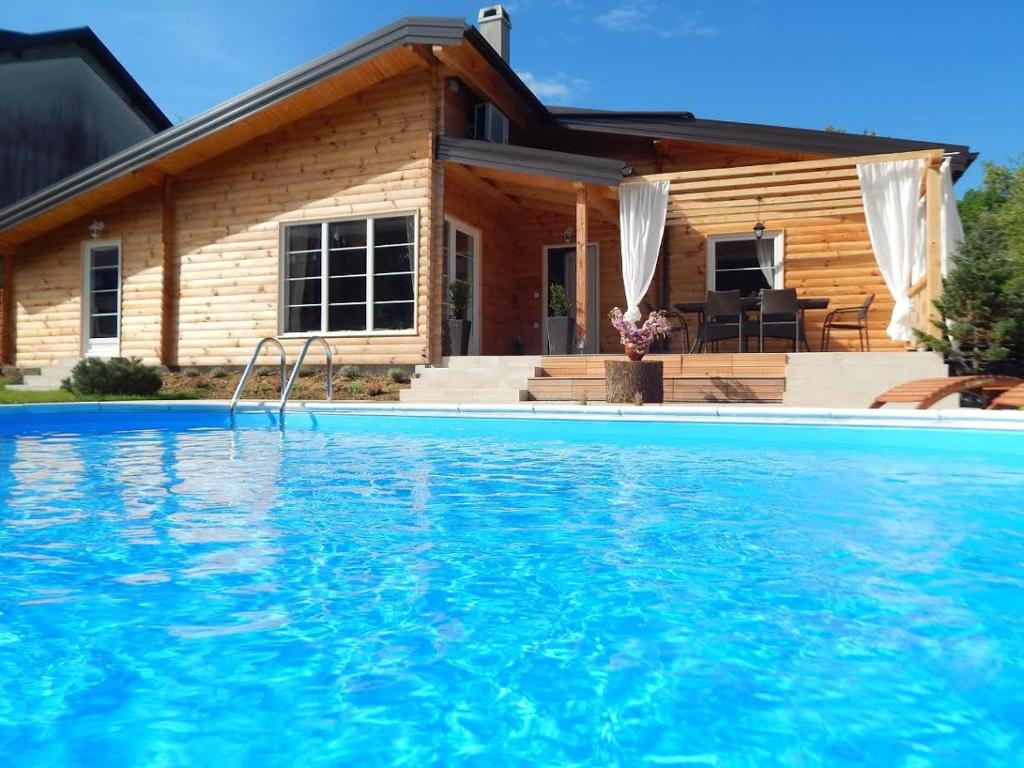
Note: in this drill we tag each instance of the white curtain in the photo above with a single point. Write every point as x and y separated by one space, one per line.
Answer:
891 192
642 206
766 259
952 228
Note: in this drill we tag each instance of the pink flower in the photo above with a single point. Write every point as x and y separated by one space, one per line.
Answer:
655 327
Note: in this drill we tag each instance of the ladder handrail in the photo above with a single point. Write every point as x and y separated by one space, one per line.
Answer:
286 392
252 363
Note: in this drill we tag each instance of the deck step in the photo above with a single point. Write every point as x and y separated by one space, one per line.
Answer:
464 395
677 390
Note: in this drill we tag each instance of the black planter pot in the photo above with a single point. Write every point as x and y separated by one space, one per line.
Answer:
458 335
560 335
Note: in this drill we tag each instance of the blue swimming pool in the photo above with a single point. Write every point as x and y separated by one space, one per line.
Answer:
379 590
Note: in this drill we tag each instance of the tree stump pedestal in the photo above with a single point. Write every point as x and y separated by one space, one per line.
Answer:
634 382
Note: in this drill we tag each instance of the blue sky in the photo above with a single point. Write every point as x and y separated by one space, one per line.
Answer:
937 70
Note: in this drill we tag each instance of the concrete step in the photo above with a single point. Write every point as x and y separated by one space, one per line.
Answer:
33 387
464 395
472 377
48 378
513 362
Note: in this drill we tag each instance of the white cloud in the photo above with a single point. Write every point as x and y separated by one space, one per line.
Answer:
642 16
629 16
558 89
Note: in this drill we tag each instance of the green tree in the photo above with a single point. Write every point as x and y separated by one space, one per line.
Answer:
979 320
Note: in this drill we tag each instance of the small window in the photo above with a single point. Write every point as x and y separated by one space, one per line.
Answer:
744 264
350 276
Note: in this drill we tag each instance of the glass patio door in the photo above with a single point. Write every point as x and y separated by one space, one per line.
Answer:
462 261
102 299
560 269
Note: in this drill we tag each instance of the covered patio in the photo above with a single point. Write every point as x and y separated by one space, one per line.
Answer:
539 217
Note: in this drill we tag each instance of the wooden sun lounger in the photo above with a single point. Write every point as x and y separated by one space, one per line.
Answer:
1011 398
927 392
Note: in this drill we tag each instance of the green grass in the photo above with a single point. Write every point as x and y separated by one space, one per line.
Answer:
62 396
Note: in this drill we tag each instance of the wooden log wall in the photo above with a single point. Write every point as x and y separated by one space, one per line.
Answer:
367 154
48 284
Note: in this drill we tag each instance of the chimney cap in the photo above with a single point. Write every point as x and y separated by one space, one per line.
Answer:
492 13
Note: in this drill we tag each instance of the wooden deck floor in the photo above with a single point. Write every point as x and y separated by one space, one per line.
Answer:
711 378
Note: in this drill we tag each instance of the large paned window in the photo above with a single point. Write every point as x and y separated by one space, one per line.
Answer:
351 276
740 262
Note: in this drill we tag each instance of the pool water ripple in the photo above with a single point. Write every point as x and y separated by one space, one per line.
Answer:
423 592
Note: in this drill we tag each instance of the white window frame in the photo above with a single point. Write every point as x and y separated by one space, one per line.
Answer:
778 238
282 277
476 329
87 247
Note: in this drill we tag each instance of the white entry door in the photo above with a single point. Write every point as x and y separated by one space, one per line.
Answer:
101 299
462 256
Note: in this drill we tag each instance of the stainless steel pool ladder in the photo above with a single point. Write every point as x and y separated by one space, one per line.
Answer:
252 364
287 390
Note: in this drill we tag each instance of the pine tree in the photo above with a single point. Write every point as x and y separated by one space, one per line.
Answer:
981 315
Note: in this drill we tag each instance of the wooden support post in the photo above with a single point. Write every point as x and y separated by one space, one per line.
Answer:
582 238
933 233
170 288
7 311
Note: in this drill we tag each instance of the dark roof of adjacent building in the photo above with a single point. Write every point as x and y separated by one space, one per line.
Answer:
18 45
684 126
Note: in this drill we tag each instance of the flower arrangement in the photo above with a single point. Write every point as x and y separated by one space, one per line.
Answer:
638 341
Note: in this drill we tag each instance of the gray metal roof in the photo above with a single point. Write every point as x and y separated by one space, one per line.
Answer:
685 127
528 160
413 30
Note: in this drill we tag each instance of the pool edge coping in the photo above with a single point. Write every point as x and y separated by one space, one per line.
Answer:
735 414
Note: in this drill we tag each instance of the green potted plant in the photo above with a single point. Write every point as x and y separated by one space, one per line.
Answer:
458 326
559 322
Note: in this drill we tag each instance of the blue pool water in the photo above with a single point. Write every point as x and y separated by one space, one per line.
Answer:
425 591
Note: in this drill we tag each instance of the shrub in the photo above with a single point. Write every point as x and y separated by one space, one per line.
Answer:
458 299
354 388
398 375
263 371
117 376
373 388
349 371
218 373
191 372
558 302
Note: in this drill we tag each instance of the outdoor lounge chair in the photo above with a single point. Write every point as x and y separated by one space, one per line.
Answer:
927 392
780 317
723 319
848 319
1009 400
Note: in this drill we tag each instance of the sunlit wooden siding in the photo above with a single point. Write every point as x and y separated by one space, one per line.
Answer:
48 285
368 154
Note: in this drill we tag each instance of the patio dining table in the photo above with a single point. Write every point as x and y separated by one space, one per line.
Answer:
748 304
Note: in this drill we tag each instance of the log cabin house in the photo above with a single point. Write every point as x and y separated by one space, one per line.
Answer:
341 197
